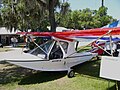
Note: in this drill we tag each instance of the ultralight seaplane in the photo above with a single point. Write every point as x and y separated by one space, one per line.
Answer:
59 53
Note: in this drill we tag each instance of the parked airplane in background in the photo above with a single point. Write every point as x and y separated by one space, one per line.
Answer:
59 53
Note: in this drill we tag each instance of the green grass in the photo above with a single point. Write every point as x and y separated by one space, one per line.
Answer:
86 78
81 49
4 49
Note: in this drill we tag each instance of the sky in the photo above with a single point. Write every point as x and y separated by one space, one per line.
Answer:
112 5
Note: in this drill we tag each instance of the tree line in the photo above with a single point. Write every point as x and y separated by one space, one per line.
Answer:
38 14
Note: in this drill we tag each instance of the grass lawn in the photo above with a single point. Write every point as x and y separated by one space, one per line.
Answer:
4 49
86 78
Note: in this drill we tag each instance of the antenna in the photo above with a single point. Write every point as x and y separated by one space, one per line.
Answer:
102 3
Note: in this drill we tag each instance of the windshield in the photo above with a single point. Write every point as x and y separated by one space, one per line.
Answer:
56 52
46 46
64 45
42 49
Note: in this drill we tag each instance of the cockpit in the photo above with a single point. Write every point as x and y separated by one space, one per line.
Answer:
52 49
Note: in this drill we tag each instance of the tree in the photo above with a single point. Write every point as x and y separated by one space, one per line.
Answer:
9 18
24 11
1 22
63 16
32 16
50 6
65 8
102 18
23 15
86 18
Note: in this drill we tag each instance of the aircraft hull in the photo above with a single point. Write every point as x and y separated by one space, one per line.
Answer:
54 64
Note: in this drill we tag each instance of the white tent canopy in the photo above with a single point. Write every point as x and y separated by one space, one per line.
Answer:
60 29
5 31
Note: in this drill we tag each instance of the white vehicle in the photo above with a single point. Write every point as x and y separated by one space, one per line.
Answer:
58 54
54 55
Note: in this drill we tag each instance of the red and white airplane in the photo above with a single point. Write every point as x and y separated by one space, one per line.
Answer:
59 53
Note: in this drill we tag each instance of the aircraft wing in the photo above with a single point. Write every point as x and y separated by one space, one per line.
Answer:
89 34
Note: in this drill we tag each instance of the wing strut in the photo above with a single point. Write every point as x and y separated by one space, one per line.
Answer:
108 33
36 44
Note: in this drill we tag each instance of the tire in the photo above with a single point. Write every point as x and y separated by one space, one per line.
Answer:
70 73
98 58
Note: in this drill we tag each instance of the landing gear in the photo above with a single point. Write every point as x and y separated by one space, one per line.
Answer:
97 57
70 73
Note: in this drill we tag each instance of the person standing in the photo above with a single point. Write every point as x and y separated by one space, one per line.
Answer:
15 42
12 42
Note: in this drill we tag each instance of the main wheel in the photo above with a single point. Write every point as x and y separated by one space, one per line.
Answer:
70 73
98 58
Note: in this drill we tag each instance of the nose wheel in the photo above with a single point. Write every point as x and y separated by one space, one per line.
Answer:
70 73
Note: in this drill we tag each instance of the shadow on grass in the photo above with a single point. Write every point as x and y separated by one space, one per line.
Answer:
41 77
11 73
90 68
28 76
112 88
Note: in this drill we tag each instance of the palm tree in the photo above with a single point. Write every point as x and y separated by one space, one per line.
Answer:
51 4
63 15
65 7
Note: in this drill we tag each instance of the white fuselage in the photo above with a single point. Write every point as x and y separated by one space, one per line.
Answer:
54 64
55 55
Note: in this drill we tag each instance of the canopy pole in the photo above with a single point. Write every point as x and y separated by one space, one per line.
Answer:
111 45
